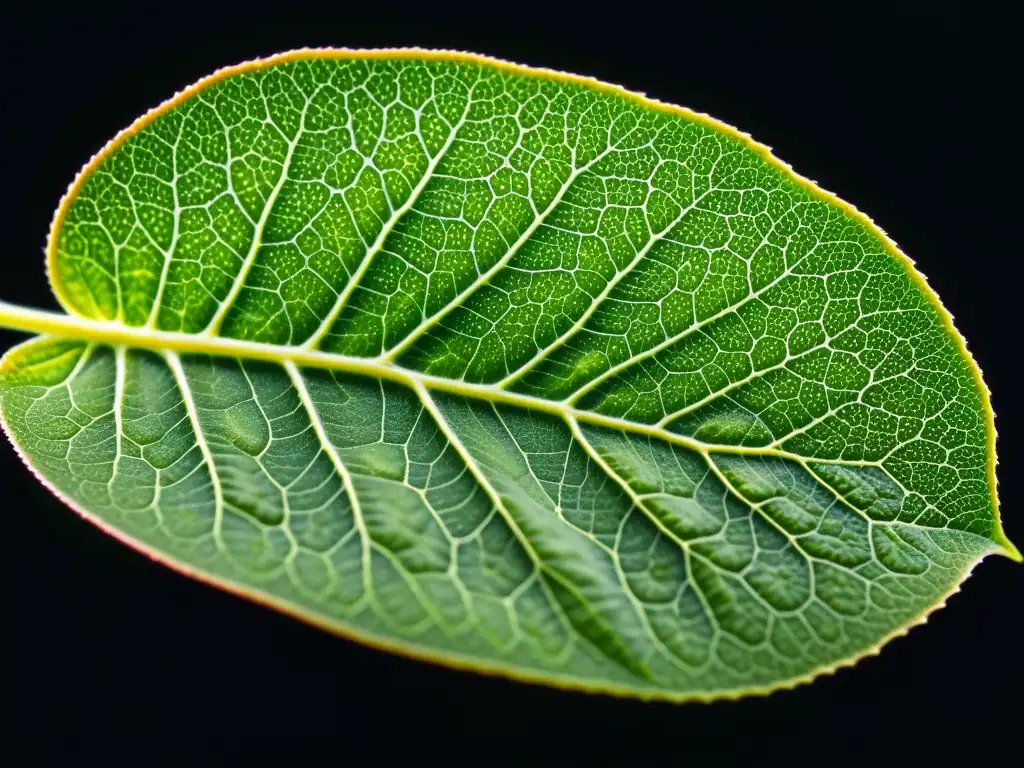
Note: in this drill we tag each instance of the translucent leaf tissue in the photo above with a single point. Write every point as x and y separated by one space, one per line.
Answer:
507 370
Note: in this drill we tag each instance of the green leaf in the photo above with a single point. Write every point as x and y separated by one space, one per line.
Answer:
507 370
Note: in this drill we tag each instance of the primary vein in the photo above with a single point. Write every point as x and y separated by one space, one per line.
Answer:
174 343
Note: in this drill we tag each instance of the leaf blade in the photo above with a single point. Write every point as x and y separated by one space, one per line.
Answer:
759 597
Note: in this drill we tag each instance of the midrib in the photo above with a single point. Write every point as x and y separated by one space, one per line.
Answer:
117 334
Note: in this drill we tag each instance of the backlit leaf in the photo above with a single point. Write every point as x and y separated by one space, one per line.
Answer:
507 370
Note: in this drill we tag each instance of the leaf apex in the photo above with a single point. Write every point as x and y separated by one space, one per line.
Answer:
1007 548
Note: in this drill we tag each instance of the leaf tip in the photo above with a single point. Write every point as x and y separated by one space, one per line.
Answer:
1007 548
1004 545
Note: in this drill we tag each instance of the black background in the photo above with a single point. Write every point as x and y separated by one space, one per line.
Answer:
910 117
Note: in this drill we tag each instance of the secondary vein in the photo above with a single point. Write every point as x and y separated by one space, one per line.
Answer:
618 368
378 245
421 330
595 305
174 363
332 453
257 238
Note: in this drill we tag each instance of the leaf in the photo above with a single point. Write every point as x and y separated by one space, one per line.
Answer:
507 370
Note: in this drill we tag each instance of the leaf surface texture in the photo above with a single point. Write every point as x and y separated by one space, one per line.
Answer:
555 381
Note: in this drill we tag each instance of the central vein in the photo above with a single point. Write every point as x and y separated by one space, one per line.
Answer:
117 334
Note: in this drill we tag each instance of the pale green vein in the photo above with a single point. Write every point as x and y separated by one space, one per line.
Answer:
339 466
620 573
286 506
758 507
510 521
213 328
716 394
106 332
595 305
600 461
658 523
174 363
690 330
120 366
423 328
378 245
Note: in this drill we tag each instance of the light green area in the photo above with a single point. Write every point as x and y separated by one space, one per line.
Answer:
663 419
